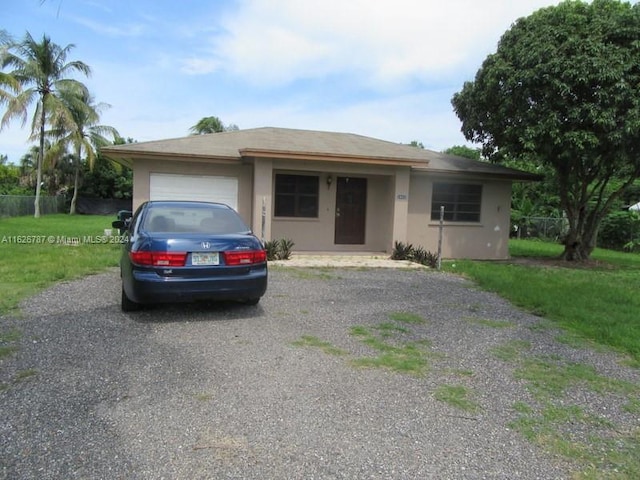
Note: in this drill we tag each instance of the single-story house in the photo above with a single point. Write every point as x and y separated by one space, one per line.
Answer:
333 192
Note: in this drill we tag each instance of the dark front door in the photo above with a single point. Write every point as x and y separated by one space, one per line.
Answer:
351 209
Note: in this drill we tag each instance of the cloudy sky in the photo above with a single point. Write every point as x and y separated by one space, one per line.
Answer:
381 68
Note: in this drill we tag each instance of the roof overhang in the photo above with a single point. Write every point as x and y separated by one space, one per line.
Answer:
126 157
327 157
506 174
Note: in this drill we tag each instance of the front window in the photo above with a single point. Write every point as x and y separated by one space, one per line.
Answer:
296 196
461 202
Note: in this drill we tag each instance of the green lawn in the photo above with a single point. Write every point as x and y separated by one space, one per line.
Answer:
600 302
36 252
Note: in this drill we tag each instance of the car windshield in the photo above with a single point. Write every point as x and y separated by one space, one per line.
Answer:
193 219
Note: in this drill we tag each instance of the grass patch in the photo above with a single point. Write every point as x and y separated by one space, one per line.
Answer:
28 268
20 376
408 359
491 323
463 372
633 406
203 397
457 396
602 453
311 341
389 329
7 340
392 353
510 351
598 301
550 377
25 374
562 427
385 338
407 317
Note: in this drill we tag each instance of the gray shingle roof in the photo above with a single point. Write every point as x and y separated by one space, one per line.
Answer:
291 143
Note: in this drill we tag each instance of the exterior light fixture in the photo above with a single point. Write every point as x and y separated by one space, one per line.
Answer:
329 181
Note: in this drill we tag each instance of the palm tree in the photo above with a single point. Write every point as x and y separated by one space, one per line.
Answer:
29 164
61 173
84 135
8 85
40 69
211 125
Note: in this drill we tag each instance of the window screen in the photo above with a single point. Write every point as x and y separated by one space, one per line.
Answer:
296 196
461 202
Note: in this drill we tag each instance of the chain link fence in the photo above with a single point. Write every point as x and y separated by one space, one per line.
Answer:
21 205
548 228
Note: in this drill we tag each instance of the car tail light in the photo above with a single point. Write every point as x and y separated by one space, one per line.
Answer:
159 259
245 257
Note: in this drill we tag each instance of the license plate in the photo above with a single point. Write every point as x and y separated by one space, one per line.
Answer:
205 258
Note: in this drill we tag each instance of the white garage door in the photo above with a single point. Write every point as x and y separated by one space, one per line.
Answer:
169 186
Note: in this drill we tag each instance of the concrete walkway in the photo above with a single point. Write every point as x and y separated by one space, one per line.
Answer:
340 260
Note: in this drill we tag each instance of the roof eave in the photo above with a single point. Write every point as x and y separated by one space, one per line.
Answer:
331 157
514 176
125 157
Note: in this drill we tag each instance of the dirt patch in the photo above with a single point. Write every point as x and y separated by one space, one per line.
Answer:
555 262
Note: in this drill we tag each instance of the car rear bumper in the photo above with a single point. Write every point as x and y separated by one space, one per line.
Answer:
147 286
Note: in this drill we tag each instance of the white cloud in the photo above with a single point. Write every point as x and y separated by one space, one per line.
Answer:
111 30
280 41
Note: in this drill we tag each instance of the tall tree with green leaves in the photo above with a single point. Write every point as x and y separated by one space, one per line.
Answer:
211 125
563 91
40 69
464 151
84 135
10 178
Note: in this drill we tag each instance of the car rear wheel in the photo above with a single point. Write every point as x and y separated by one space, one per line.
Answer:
127 304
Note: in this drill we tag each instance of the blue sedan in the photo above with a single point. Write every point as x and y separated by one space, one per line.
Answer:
179 251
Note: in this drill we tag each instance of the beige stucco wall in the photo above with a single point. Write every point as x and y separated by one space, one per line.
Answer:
398 206
487 239
317 234
244 174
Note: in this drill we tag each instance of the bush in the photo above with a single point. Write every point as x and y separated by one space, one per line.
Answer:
279 249
271 247
424 257
620 231
402 251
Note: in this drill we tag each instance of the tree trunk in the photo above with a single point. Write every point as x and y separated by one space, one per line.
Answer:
575 252
72 210
36 203
579 245
76 182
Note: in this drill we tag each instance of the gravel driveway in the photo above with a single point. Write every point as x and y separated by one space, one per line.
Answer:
221 391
